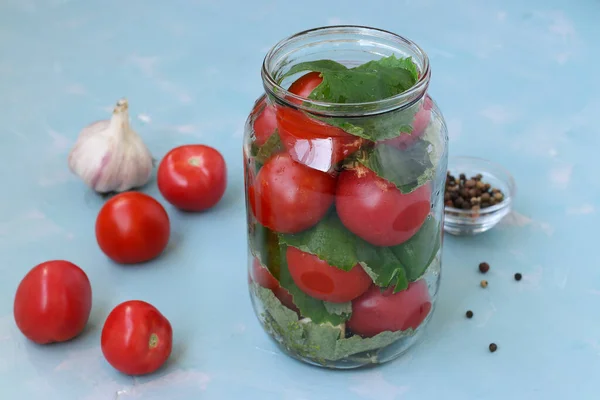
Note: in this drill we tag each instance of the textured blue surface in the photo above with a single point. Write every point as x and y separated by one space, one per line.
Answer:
518 83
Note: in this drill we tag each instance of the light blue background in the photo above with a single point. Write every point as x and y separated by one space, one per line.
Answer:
518 83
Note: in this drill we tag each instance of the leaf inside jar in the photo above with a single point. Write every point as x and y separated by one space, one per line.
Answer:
406 169
264 244
309 307
381 264
323 342
418 252
272 145
370 82
329 240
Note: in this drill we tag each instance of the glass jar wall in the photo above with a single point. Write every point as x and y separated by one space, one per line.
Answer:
345 160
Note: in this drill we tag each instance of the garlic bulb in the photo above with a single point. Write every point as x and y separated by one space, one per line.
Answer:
109 156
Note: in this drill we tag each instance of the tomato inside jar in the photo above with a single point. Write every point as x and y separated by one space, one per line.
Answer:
342 164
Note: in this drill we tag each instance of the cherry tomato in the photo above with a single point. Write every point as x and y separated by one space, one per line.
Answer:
289 197
53 302
375 210
322 281
314 143
136 338
420 123
265 122
263 277
304 85
376 311
192 177
132 227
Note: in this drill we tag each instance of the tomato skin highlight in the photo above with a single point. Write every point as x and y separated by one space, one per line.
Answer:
420 122
322 281
192 177
375 210
53 302
314 143
288 197
375 312
132 227
136 338
262 277
265 122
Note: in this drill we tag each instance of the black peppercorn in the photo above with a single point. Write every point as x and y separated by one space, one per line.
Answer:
469 314
518 276
493 347
484 267
470 194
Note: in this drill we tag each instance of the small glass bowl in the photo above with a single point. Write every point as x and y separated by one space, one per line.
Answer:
461 222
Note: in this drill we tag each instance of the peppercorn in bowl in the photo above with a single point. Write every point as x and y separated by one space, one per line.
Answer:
478 194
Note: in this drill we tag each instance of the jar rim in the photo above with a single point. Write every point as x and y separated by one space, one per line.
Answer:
399 101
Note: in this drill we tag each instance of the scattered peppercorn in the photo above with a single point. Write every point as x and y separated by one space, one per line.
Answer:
470 194
484 267
518 276
484 283
469 314
493 347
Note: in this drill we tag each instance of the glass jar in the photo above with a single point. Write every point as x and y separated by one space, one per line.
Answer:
345 159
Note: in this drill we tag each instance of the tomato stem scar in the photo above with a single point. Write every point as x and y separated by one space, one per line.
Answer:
195 161
153 342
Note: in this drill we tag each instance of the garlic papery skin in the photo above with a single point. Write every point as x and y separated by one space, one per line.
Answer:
109 156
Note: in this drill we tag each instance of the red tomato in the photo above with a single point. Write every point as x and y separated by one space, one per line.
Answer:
53 302
288 197
136 338
314 143
132 227
420 123
265 122
375 312
304 85
192 177
263 277
322 281
375 210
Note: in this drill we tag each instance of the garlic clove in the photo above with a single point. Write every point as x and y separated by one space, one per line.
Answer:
109 156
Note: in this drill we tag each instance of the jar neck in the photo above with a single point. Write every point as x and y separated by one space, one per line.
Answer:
348 45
